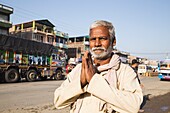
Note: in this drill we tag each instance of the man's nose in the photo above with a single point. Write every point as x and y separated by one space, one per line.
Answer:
97 42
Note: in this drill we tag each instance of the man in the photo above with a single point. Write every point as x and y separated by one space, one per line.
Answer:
101 84
70 66
134 66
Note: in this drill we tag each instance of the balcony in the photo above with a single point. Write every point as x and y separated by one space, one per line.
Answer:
60 45
61 34
6 9
5 24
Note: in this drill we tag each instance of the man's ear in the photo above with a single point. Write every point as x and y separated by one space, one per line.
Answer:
114 42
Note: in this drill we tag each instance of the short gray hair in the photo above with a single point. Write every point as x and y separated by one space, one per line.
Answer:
105 24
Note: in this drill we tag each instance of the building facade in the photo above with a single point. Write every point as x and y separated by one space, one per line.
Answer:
77 46
42 31
37 30
5 23
61 44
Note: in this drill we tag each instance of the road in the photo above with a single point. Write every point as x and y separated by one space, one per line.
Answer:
37 97
28 96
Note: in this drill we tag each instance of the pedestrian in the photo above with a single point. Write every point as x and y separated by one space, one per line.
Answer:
101 83
134 66
30 60
17 59
39 61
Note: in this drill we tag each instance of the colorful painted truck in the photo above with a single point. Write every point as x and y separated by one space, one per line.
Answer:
21 58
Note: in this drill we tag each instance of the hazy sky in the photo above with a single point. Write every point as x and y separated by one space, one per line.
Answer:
142 26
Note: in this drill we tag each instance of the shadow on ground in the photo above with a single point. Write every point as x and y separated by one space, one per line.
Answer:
159 104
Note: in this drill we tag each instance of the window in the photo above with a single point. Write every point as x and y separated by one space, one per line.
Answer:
37 37
34 37
50 39
3 31
56 39
41 38
3 17
80 39
61 40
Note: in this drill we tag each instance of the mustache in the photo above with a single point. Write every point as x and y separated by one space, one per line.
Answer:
98 48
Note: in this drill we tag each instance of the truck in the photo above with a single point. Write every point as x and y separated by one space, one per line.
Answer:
26 59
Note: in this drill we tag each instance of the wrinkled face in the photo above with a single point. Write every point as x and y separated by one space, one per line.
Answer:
100 42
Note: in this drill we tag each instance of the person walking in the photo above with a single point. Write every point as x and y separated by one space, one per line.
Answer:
134 66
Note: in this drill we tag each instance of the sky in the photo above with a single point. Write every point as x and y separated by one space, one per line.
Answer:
142 26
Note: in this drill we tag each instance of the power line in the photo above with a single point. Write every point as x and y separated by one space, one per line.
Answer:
151 53
60 24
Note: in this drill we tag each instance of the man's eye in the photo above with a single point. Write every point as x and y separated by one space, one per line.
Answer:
92 39
103 38
99 38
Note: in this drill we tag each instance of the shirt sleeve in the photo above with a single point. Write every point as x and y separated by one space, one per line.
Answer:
69 90
127 99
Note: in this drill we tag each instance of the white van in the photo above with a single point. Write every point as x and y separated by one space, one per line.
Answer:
142 68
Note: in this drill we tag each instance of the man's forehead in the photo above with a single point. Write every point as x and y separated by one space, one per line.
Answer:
101 30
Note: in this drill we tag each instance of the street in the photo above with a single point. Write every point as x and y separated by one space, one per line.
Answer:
37 97
27 96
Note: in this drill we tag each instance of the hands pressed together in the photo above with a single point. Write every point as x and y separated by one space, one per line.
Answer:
88 69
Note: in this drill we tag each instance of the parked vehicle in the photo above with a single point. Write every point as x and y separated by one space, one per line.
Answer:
22 58
143 69
164 70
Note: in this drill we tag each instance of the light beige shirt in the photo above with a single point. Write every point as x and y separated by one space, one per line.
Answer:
99 96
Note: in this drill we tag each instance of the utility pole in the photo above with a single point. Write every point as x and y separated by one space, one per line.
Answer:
167 56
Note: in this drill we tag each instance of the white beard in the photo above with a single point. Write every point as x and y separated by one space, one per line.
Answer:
105 54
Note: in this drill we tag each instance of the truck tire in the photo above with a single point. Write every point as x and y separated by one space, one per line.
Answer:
11 76
31 75
58 75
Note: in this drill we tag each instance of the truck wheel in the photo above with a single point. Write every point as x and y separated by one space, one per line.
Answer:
31 75
58 75
11 75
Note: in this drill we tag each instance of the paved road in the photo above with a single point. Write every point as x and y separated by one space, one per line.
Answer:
27 95
37 97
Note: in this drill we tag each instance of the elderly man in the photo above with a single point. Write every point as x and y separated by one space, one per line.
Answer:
102 83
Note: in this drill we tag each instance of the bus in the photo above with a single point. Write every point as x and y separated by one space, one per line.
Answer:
164 69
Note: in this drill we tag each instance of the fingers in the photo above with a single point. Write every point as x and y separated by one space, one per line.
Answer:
83 76
90 62
83 61
86 55
86 59
89 68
